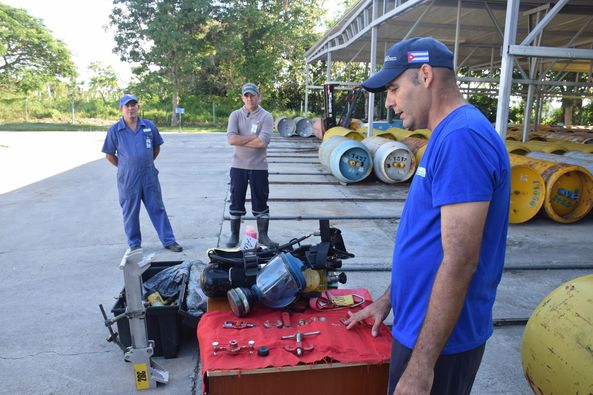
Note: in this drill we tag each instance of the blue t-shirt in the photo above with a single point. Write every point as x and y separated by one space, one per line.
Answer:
465 161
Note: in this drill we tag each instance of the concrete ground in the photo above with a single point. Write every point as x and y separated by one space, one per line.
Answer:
61 241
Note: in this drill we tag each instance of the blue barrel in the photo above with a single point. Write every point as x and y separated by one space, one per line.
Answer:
348 160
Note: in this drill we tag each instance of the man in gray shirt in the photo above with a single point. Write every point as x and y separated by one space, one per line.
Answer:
249 131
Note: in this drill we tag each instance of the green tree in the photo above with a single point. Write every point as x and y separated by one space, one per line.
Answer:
29 54
265 41
103 81
168 38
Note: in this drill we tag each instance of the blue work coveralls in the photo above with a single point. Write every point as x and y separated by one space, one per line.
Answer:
137 178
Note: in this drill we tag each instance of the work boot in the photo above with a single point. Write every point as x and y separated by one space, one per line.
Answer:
262 232
235 228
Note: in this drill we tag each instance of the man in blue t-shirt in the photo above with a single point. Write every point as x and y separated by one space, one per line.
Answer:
132 144
450 245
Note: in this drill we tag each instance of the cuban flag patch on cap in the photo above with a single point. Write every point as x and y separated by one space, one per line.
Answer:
417 56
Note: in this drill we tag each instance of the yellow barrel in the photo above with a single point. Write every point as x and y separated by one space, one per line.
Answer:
587 164
355 124
516 147
401 134
557 346
579 155
385 134
569 188
587 148
340 131
513 135
425 132
573 137
392 161
528 191
548 147
417 146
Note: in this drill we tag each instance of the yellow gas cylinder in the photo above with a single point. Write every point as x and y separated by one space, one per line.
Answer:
557 348
516 147
417 146
385 134
569 188
546 146
401 134
587 148
340 131
528 191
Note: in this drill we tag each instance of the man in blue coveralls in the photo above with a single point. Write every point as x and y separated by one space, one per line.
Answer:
132 144
450 244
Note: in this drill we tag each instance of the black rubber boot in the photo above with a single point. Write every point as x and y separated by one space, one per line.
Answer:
235 228
262 232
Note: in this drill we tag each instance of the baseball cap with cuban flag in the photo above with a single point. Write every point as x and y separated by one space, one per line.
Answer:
408 54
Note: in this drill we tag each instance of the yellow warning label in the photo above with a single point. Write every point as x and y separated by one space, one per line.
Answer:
141 376
343 300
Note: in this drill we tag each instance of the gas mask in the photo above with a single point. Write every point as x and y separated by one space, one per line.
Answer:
277 285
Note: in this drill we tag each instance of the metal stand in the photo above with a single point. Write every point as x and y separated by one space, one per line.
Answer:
147 373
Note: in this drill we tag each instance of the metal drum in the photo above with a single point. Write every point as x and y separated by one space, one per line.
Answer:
579 155
401 134
549 147
587 148
587 164
392 161
569 188
417 146
304 127
528 191
285 126
348 160
556 348
516 147
340 131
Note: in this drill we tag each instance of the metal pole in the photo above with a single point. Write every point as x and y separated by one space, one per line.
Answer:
457 26
328 70
506 68
147 373
306 87
527 113
373 63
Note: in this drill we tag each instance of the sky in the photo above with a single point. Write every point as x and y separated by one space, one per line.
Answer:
79 25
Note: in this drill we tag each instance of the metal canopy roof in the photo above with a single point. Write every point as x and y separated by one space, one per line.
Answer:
533 36
481 29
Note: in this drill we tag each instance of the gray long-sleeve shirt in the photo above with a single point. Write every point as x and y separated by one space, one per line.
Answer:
244 123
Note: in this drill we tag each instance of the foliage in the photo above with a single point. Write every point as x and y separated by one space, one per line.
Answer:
486 104
103 82
29 54
167 38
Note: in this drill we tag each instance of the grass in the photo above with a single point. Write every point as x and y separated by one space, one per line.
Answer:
93 127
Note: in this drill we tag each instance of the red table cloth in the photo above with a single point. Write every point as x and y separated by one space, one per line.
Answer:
335 343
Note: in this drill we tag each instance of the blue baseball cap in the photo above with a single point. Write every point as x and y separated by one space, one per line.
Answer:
125 99
249 88
408 54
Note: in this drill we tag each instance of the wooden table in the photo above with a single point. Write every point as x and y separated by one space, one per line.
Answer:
306 379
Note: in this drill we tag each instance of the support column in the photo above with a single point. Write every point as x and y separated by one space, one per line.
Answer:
506 68
373 64
306 88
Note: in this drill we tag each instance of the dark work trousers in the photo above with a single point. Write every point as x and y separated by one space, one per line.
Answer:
454 374
260 189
